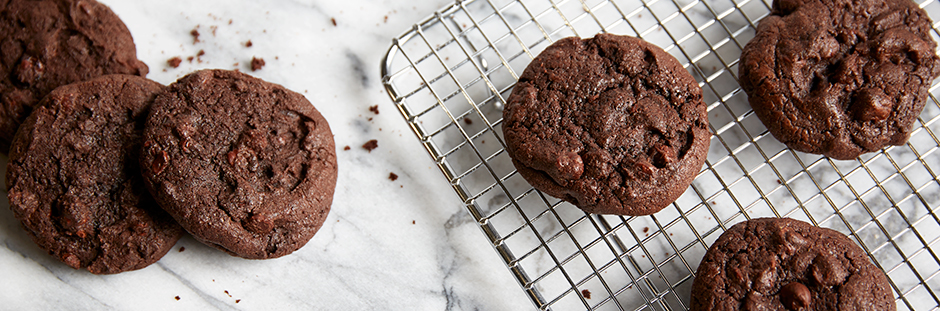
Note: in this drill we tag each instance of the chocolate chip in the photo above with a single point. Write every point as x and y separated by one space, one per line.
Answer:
795 296
29 70
568 166
871 105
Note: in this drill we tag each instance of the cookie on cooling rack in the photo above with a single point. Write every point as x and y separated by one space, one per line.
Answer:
49 43
74 178
786 264
244 165
612 124
842 77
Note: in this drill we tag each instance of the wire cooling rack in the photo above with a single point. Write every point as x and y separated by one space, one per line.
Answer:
450 74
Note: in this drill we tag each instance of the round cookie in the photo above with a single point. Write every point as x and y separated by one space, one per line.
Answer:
840 77
612 124
244 165
48 43
74 178
786 264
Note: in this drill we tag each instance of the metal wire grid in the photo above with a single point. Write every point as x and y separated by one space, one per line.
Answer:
450 74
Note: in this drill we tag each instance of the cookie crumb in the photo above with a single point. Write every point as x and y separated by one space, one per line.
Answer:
226 292
238 300
201 53
256 63
412 222
586 293
646 229
195 34
177 298
174 62
190 59
467 121
370 145
374 109
392 176
248 44
346 148
333 20
182 248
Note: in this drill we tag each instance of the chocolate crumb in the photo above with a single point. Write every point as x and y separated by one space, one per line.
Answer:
190 59
174 62
226 292
201 53
213 29
392 176
374 109
646 229
370 145
779 182
248 44
229 21
369 119
586 293
195 34
256 63
238 300
182 248
412 222
346 148
177 298
333 20
467 121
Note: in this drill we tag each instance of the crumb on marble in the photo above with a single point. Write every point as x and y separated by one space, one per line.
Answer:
346 148
195 34
248 44
256 63
177 298
238 300
174 62
182 248
190 59
468 121
392 176
226 292
412 222
374 109
646 229
586 293
371 145
333 19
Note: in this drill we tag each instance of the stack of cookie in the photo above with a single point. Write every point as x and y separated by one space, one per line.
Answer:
109 168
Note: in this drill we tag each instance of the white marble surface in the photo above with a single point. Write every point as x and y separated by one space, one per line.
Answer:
387 245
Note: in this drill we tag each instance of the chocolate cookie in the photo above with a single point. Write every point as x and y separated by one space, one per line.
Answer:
48 43
74 177
840 77
786 264
244 165
612 124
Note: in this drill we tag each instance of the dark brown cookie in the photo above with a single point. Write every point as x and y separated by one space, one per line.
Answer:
74 177
612 124
244 165
786 264
49 43
840 77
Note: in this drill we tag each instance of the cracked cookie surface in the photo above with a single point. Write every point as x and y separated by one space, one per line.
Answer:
840 78
74 179
244 165
786 264
612 124
49 43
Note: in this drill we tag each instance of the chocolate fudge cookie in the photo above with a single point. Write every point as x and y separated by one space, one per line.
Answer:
244 165
74 177
786 264
840 77
48 43
612 124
